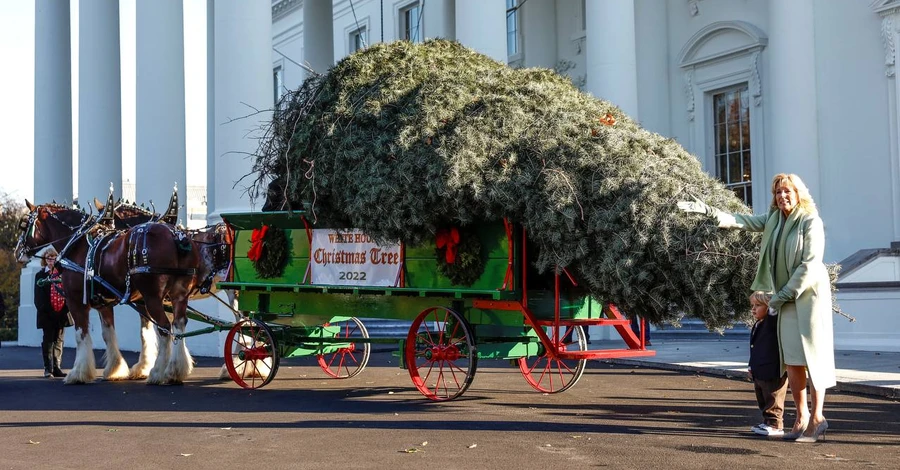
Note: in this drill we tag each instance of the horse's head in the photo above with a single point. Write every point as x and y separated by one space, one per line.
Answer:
45 225
215 244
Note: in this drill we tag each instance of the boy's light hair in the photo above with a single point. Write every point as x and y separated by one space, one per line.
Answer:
761 297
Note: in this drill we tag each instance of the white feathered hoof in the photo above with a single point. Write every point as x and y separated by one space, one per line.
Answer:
156 377
116 372
84 371
80 375
139 371
180 366
223 373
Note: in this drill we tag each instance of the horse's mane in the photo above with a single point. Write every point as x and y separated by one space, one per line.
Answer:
128 210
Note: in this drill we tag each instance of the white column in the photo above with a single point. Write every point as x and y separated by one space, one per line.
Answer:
210 105
318 36
160 134
651 36
99 100
481 25
538 33
611 61
243 85
890 32
792 107
52 102
439 19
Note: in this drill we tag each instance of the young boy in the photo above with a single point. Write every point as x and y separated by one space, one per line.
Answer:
765 367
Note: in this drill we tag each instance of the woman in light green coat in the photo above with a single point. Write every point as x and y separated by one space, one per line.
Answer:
791 266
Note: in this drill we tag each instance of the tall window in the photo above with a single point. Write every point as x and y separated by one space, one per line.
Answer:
358 39
411 23
512 27
731 118
278 82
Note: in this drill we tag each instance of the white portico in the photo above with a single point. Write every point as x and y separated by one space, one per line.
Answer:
752 88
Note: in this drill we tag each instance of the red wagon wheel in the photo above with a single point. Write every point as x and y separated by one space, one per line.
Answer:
349 359
251 355
440 354
550 374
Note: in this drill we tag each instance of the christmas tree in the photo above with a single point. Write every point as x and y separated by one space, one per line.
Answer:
403 139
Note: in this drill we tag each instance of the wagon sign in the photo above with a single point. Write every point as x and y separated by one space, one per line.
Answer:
352 258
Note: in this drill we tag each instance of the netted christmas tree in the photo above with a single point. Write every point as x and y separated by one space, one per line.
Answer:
402 140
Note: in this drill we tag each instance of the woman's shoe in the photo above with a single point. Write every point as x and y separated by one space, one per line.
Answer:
796 433
813 436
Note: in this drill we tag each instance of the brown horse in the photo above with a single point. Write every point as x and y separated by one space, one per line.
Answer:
149 262
212 243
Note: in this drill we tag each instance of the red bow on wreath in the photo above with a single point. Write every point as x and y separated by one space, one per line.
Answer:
256 243
449 239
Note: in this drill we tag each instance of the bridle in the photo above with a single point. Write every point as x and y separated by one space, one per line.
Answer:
28 226
221 253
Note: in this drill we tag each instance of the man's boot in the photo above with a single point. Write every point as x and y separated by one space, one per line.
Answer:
48 358
57 358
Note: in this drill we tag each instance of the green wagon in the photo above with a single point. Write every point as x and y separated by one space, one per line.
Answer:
508 313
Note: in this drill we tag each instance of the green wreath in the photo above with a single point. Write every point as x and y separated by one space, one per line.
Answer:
466 264
274 254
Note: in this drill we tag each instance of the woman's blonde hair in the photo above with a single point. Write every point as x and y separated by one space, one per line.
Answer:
761 297
805 200
47 252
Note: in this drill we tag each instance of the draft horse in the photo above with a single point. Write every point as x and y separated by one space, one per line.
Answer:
100 268
213 245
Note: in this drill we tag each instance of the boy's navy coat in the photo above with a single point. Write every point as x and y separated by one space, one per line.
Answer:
765 360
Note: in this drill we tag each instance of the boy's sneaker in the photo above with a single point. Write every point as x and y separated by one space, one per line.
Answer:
766 430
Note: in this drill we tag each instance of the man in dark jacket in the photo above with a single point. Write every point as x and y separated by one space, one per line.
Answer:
52 314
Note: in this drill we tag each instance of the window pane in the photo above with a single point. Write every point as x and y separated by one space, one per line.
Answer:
745 135
734 107
746 162
748 196
734 168
722 164
739 192
734 138
721 139
720 109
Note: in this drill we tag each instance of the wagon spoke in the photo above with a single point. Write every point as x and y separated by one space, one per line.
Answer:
251 356
440 354
556 374
343 362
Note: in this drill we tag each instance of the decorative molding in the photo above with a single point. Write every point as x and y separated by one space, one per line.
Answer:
886 7
282 8
579 81
694 7
887 35
757 40
578 40
755 82
689 92
564 66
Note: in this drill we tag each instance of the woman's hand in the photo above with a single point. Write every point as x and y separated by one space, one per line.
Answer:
775 303
695 206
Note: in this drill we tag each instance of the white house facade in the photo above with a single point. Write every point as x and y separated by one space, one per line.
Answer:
751 87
